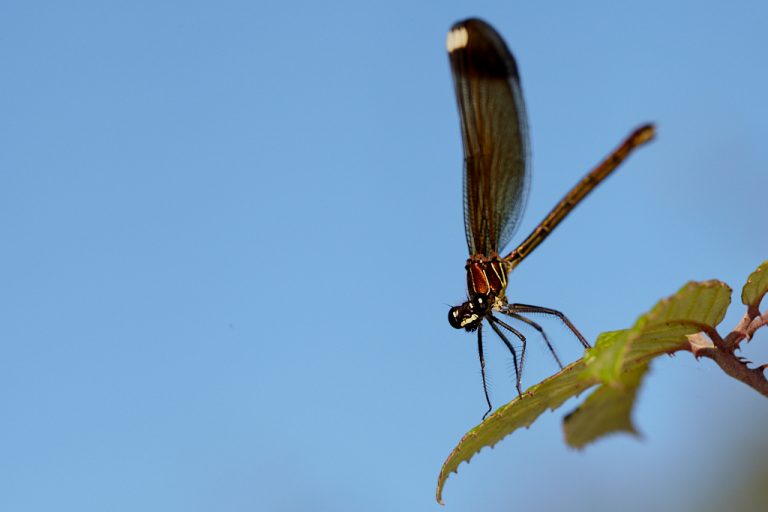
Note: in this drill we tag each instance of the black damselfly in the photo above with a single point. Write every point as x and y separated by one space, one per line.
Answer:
496 175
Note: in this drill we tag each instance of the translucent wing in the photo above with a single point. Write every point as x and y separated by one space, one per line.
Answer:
495 134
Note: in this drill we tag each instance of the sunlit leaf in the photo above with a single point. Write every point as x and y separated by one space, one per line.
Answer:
756 286
520 412
605 360
620 358
617 362
664 328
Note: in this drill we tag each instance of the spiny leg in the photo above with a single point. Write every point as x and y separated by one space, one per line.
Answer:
519 336
518 371
541 331
482 367
527 308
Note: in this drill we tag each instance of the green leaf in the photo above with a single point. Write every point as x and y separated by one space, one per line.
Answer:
607 410
663 330
620 358
605 360
756 286
520 412
617 362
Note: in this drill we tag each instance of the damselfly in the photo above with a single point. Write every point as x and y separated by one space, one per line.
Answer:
496 176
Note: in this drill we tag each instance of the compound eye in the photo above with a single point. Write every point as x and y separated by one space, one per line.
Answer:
464 316
455 317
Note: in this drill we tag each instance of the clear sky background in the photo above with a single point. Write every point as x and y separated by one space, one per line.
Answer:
231 232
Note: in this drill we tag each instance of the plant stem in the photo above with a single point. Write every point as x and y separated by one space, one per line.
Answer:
722 350
736 368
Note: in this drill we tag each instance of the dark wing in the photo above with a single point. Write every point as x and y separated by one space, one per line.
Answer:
495 134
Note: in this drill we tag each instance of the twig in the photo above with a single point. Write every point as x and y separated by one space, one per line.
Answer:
722 351
737 368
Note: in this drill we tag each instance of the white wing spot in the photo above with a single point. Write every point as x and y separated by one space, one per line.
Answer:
457 38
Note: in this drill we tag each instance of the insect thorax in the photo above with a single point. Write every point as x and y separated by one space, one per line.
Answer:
486 276
486 284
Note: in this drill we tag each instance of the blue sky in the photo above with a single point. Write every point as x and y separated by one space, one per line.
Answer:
231 233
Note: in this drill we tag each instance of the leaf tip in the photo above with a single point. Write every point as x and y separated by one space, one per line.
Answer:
756 287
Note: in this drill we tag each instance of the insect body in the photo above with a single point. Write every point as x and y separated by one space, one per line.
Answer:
496 176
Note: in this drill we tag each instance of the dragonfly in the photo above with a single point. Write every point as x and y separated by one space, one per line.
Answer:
494 132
